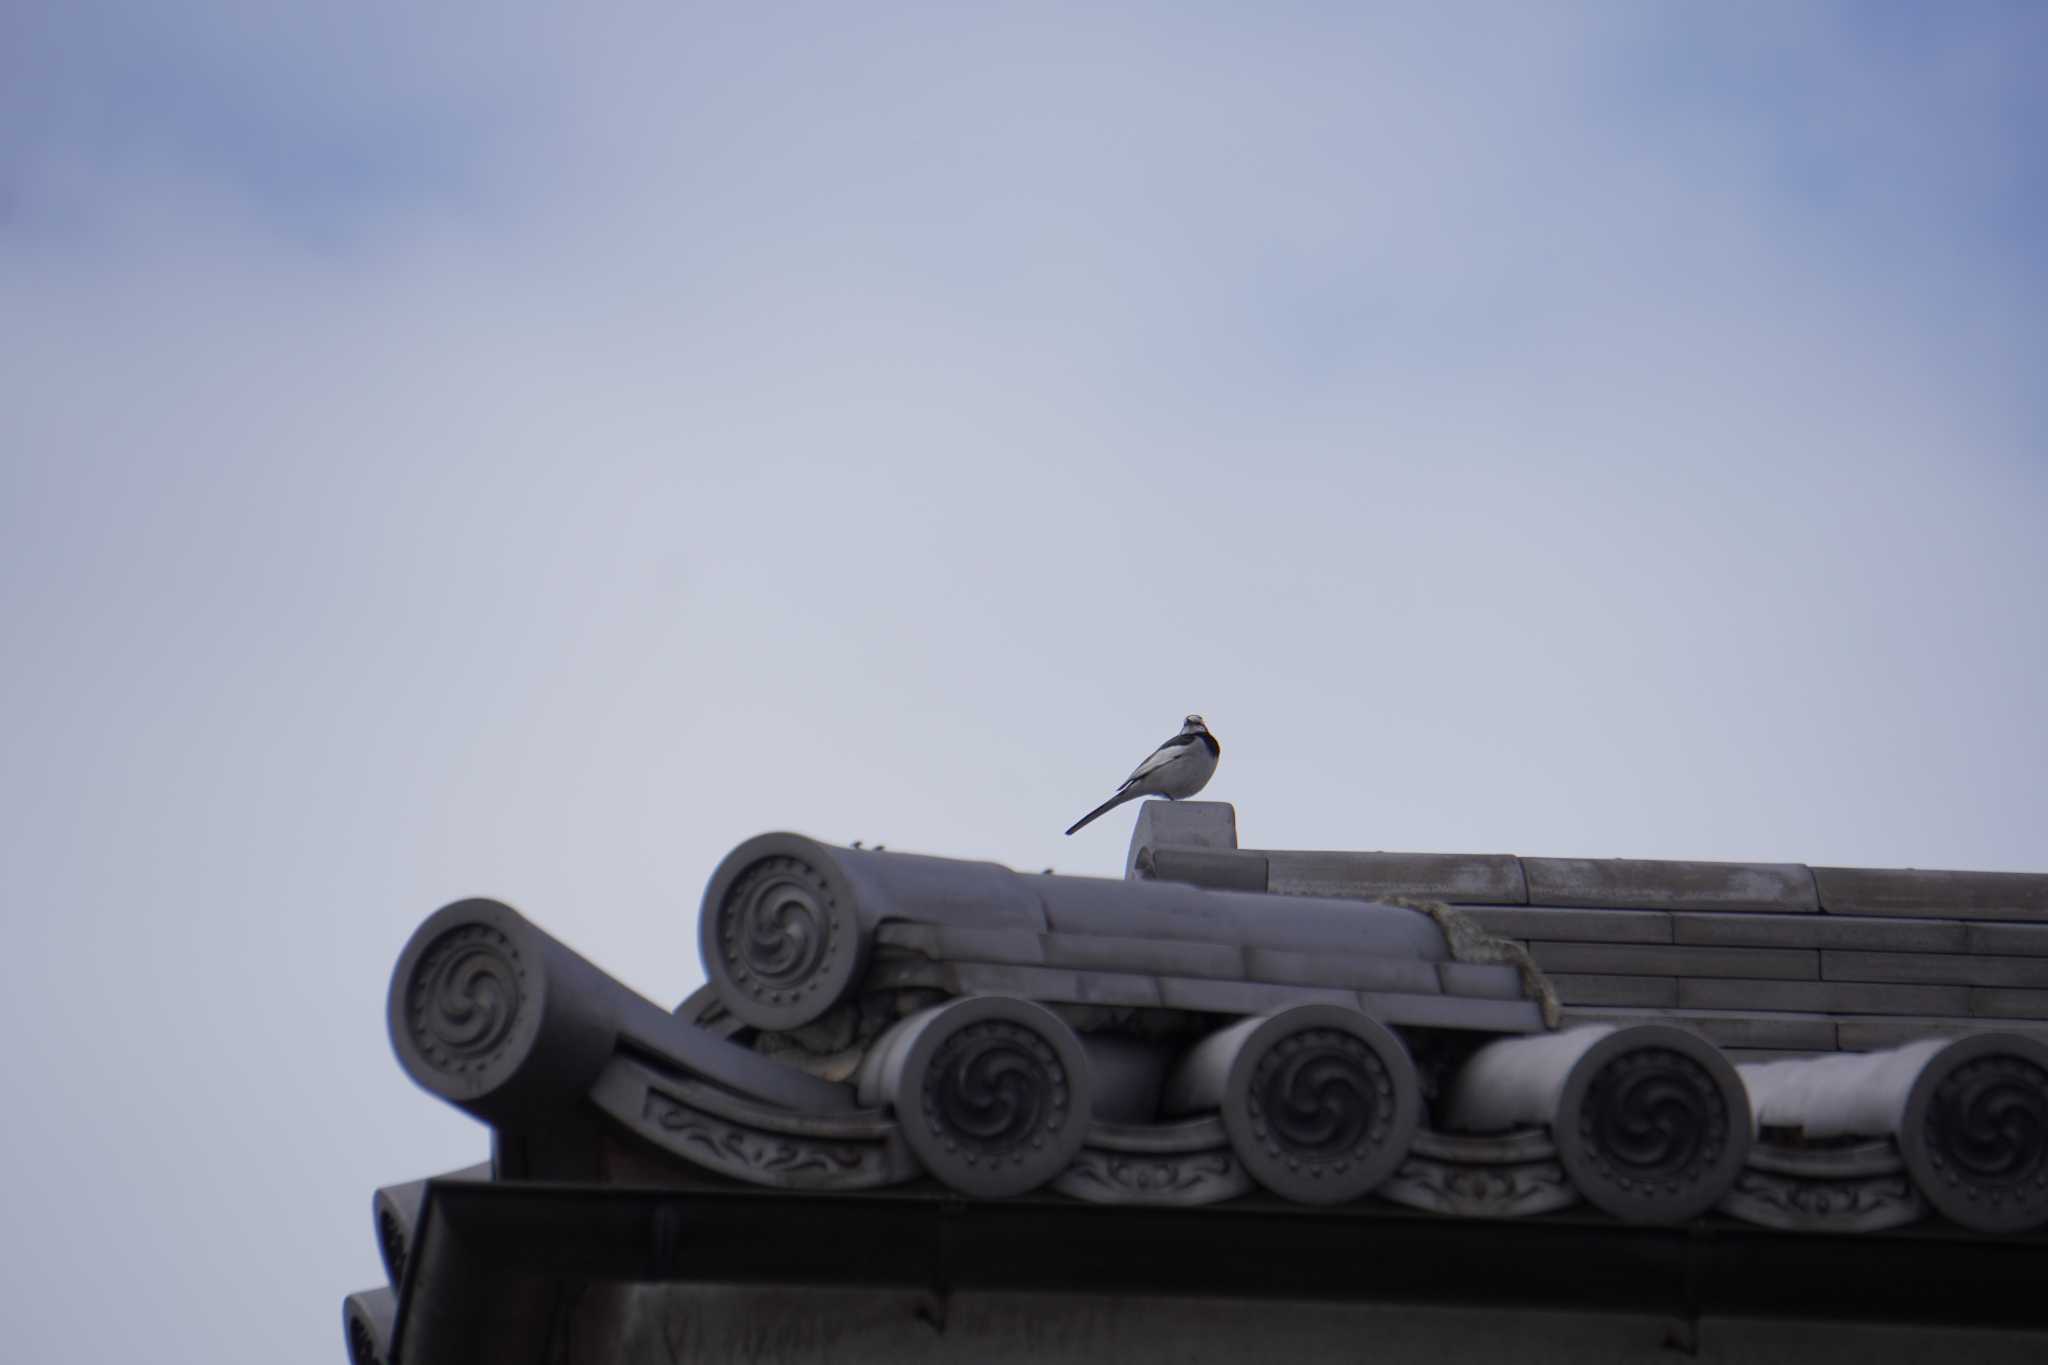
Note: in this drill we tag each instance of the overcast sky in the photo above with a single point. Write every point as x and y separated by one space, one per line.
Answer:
525 450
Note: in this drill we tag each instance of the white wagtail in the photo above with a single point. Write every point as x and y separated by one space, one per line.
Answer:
1176 769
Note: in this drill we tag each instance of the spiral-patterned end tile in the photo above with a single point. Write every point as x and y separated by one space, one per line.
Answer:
1653 1124
1975 1132
366 1320
778 932
992 1094
465 1001
362 1347
391 1244
1321 1103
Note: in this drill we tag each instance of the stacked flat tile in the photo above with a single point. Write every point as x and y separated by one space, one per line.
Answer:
1764 959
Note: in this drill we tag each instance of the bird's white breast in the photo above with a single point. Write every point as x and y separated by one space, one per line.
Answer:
1181 773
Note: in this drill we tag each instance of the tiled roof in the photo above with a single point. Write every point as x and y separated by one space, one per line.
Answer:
1766 960
1320 1028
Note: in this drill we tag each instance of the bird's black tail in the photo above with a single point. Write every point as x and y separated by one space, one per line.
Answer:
1110 804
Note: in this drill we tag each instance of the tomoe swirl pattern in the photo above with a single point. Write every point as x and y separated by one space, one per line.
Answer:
1653 1120
1988 1130
994 1092
778 935
464 998
1320 1095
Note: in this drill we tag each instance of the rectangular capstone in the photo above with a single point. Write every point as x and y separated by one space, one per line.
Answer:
1181 824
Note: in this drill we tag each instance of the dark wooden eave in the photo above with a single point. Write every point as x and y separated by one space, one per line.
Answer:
504 1273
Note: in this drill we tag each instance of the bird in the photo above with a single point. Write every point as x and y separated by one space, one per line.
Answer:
1176 769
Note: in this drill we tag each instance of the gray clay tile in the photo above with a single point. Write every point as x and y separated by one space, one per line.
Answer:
945 943
1828 997
1791 964
1156 957
1243 997
1484 879
2001 1002
1221 869
1933 895
1480 979
1954 968
1353 971
1445 1011
1653 884
1580 925
1727 1029
1050 983
1818 931
1585 988
2021 940
1874 1031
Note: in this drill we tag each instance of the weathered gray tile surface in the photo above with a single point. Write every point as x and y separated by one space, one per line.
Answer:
1248 997
1480 979
1582 988
1819 931
1222 869
1484 879
1877 1031
1999 1002
974 945
1824 997
1795 964
1959 969
1653 885
1160 956
1815 1032
1739 1055
1444 1011
1590 926
1933 895
2021 940
1765 957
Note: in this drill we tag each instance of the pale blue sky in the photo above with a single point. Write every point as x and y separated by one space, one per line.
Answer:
526 450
